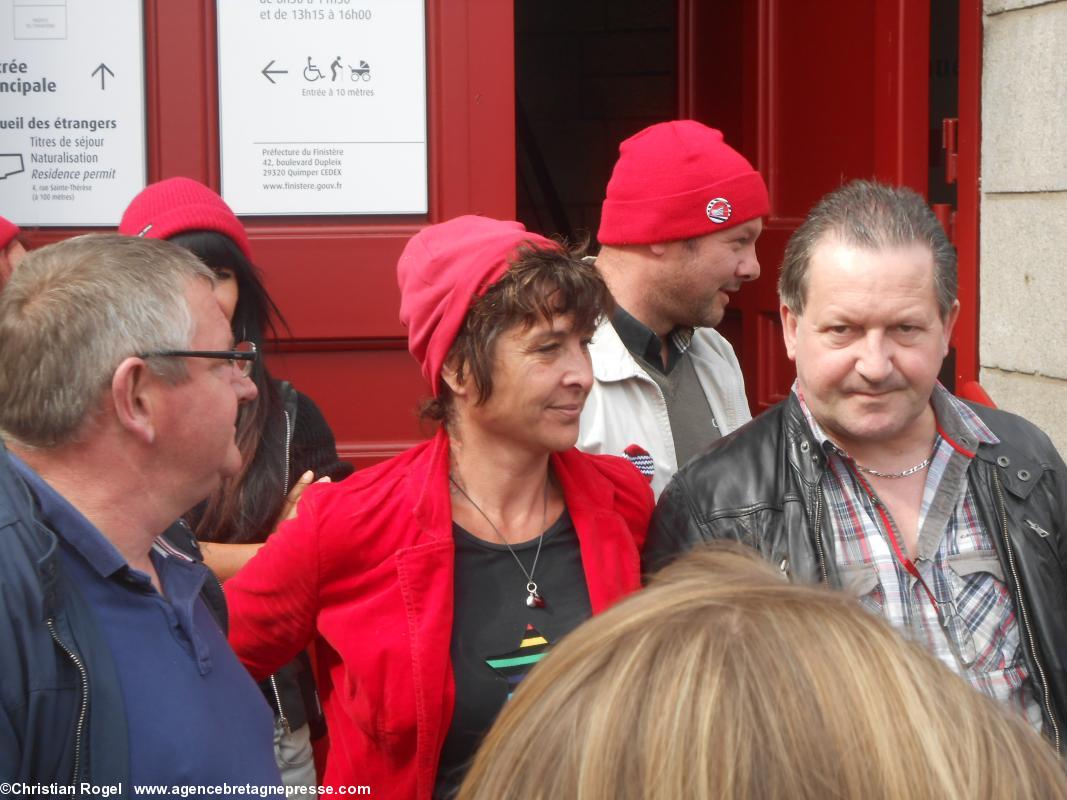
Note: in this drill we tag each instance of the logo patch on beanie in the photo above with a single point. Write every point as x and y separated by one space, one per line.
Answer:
719 210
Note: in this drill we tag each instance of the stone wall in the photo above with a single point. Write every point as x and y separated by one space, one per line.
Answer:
1023 279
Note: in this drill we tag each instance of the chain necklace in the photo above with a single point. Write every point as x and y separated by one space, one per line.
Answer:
902 474
533 597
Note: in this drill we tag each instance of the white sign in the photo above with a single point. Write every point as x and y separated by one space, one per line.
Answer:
322 106
72 130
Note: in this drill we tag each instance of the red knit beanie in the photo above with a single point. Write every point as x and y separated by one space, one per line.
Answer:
177 205
678 180
442 270
8 231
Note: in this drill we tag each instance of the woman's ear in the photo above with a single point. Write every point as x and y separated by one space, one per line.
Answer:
454 378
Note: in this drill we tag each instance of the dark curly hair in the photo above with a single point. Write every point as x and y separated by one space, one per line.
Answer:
541 283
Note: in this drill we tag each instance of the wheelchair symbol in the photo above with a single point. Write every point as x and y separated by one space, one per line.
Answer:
312 70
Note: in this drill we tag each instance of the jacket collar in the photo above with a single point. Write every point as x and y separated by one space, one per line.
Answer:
802 448
585 490
70 524
20 510
612 361
1019 469
432 507
589 496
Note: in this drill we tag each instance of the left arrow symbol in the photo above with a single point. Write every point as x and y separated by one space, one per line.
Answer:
102 69
267 71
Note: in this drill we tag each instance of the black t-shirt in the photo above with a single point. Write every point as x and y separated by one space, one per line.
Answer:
496 637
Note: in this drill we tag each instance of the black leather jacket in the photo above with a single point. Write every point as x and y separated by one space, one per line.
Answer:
761 485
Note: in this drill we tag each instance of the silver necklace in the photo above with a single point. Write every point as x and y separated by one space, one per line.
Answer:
902 474
533 597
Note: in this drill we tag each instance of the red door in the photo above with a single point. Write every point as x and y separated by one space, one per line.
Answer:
814 95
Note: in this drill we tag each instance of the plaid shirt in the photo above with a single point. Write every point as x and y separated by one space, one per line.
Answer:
972 629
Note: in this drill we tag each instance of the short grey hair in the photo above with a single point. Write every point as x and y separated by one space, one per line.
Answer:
71 313
872 216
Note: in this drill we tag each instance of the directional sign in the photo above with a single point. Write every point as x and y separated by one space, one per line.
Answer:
102 70
322 106
267 72
72 113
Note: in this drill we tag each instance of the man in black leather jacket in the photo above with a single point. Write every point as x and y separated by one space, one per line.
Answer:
945 518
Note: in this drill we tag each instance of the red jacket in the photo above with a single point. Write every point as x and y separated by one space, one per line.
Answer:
366 572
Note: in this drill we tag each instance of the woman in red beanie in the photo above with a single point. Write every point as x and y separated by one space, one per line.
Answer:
431 583
282 436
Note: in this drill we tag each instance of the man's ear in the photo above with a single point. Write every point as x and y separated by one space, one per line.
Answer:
789 331
134 393
949 323
658 248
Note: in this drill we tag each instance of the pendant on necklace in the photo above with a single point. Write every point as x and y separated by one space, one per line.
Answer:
534 600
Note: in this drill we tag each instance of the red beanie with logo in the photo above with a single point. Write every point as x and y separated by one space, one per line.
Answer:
441 272
8 231
177 205
678 180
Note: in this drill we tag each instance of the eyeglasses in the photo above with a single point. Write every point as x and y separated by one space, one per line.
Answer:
241 358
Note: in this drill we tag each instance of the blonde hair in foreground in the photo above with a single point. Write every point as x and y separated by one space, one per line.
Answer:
722 680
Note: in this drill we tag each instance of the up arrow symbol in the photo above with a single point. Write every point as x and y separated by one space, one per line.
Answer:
102 69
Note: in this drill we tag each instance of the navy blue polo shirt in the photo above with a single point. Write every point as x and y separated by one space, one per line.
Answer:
195 716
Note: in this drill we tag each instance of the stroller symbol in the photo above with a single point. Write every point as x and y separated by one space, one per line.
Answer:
362 72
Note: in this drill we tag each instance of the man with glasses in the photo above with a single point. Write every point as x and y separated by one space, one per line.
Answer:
241 357
120 384
945 518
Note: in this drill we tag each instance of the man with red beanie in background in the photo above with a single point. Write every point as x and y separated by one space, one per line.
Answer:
678 235
11 249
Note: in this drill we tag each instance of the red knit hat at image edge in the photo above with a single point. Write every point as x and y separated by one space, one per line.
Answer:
8 231
678 180
177 205
443 268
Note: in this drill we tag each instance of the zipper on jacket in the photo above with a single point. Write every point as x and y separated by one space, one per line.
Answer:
1023 613
818 535
83 711
225 629
1037 529
288 441
284 720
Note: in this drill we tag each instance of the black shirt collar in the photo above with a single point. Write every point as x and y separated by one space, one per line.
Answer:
645 345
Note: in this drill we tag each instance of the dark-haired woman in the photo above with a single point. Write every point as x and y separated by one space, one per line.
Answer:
283 436
431 583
